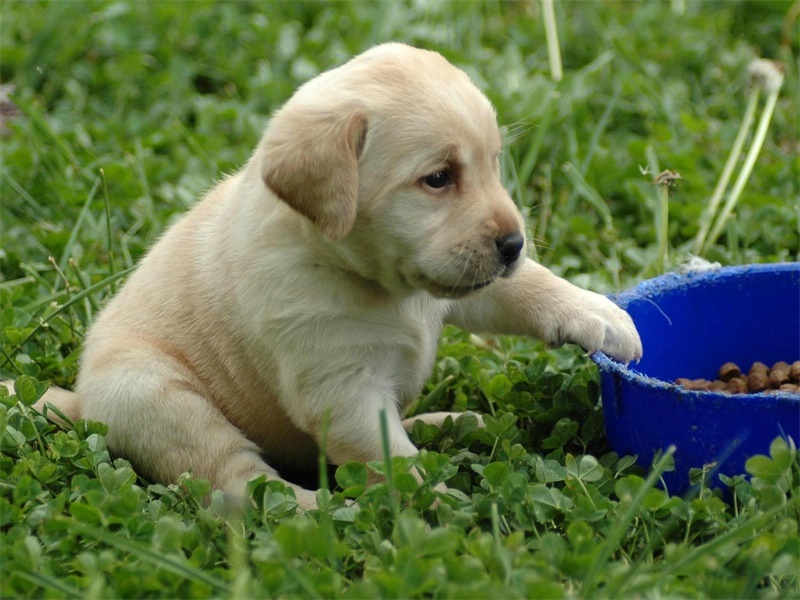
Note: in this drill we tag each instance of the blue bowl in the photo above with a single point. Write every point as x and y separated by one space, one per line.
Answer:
691 325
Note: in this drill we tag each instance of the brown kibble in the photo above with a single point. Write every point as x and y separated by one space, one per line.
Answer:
704 385
778 377
758 367
758 380
691 385
737 385
794 371
694 385
782 377
728 371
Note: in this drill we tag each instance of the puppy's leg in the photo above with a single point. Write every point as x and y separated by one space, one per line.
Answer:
355 433
437 418
368 446
160 420
535 302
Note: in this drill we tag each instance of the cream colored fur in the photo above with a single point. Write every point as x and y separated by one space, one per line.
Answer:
314 283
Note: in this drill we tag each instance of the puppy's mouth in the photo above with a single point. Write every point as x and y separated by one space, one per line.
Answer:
451 291
442 290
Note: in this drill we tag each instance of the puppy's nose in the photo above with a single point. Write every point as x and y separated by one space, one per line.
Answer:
510 246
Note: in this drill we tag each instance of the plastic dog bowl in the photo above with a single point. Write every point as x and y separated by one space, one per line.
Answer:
690 325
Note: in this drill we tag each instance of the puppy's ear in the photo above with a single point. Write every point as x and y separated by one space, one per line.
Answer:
311 163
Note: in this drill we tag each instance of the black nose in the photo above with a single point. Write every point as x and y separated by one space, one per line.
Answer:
510 246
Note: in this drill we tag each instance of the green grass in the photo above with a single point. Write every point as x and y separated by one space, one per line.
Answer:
129 111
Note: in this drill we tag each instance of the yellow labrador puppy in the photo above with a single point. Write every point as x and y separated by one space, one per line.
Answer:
312 285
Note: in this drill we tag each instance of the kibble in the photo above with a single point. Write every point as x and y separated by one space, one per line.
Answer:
794 372
778 376
728 371
758 380
781 377
737 385
758 367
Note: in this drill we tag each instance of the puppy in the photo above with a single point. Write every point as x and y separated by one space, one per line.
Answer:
308 290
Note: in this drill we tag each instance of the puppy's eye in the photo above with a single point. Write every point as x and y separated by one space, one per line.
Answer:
437 180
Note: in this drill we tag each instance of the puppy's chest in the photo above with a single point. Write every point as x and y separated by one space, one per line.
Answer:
409 354
414 366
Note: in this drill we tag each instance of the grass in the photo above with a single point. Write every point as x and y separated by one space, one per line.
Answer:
129 111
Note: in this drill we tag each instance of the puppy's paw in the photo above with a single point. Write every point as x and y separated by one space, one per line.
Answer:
599 324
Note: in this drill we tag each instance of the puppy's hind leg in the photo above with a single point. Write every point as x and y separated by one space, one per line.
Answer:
161 421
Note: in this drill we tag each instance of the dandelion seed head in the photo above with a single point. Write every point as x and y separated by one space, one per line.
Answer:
766 73
696 264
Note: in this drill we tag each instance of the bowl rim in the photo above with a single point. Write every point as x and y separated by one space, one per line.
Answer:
673 280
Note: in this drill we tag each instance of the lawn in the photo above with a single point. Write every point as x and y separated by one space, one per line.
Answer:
127 111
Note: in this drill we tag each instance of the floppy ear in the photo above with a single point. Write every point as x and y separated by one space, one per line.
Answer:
311 163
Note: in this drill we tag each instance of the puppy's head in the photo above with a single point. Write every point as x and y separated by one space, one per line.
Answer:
394 158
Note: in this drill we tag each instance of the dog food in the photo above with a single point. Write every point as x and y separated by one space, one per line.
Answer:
781 377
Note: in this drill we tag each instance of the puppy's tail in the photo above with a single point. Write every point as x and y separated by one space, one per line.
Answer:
65 401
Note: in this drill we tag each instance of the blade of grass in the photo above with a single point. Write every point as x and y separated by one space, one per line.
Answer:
589 193
238 558
613 265
73 235
110 246
76 298
620 527
528 162
15 282
90 303
387 459
48 583
499 549
43 300
155 558
551 34
741 534
33 272
523 207
56 141
37 211
67 289
546 205
426 402
137 161
196 146
605 118
322 457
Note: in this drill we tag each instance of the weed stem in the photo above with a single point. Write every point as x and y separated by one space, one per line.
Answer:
663 227
727 171
747 167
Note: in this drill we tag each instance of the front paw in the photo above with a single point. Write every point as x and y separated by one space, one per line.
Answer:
599 324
